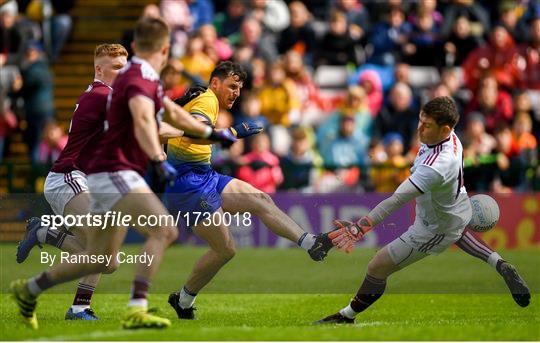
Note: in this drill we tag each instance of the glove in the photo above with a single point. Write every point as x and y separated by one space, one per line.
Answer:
190 94
161 174
225 137
348 233
246 129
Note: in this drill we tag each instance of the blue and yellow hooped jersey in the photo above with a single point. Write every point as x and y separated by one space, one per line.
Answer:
180 150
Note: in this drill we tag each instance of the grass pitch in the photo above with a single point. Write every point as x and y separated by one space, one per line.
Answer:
276 294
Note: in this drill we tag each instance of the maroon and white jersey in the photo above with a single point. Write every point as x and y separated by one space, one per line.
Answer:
85 126
438 174
118 149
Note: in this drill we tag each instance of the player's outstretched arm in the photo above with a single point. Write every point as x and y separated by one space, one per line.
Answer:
345 237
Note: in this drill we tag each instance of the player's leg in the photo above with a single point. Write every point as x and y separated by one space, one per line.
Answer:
60 190
239 196
101 242
222 250
142 203
476 247
391 258
80 308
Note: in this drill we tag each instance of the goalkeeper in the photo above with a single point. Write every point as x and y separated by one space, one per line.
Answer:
443 211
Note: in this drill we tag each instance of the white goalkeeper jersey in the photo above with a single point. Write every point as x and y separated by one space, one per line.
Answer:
438 174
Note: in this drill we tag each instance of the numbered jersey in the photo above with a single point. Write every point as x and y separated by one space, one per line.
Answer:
117 148
438 174
85 126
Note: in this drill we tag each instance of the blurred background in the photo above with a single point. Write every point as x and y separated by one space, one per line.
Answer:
338 84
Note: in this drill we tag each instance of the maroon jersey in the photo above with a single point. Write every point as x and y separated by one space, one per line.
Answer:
85 126
118 149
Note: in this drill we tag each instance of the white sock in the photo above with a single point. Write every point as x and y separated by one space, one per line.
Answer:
79 308
493 259
138 302
186 300
348 312
42 234
308 241
33 287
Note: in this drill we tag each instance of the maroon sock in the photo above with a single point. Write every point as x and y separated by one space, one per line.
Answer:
474 245
55 237
139 289
83 297
371 290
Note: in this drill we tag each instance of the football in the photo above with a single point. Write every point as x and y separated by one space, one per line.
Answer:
485 213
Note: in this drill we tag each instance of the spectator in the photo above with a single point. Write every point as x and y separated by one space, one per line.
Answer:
279 102
61 25
273 14
149 11
337 45
228 23
356 107
196 62
299 166
531 54
522 104
357 17
171 79
460 43
371 83
511 163
54 141
37 92
527 143
424 41
201 12
262 44
12 38
251 110
478 154
461 95
261 167
426 7
508 17
500 57
387 38
300 35
494 104
402 74
344 151
479 18
399 115
390 173
216 48
314 105
176 13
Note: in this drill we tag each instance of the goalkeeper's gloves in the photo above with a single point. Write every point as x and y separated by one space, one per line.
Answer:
161 174
246 129
225 137
348 233
190 94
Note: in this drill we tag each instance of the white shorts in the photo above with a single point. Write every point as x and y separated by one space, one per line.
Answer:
107 188
60 188
418 242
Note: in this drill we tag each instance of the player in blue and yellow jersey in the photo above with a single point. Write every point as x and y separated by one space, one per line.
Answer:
198 188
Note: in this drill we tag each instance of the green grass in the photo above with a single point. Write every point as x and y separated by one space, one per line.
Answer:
275 294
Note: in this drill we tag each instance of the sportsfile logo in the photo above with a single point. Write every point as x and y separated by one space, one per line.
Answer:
118 219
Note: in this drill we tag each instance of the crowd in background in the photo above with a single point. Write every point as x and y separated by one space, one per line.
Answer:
359 136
